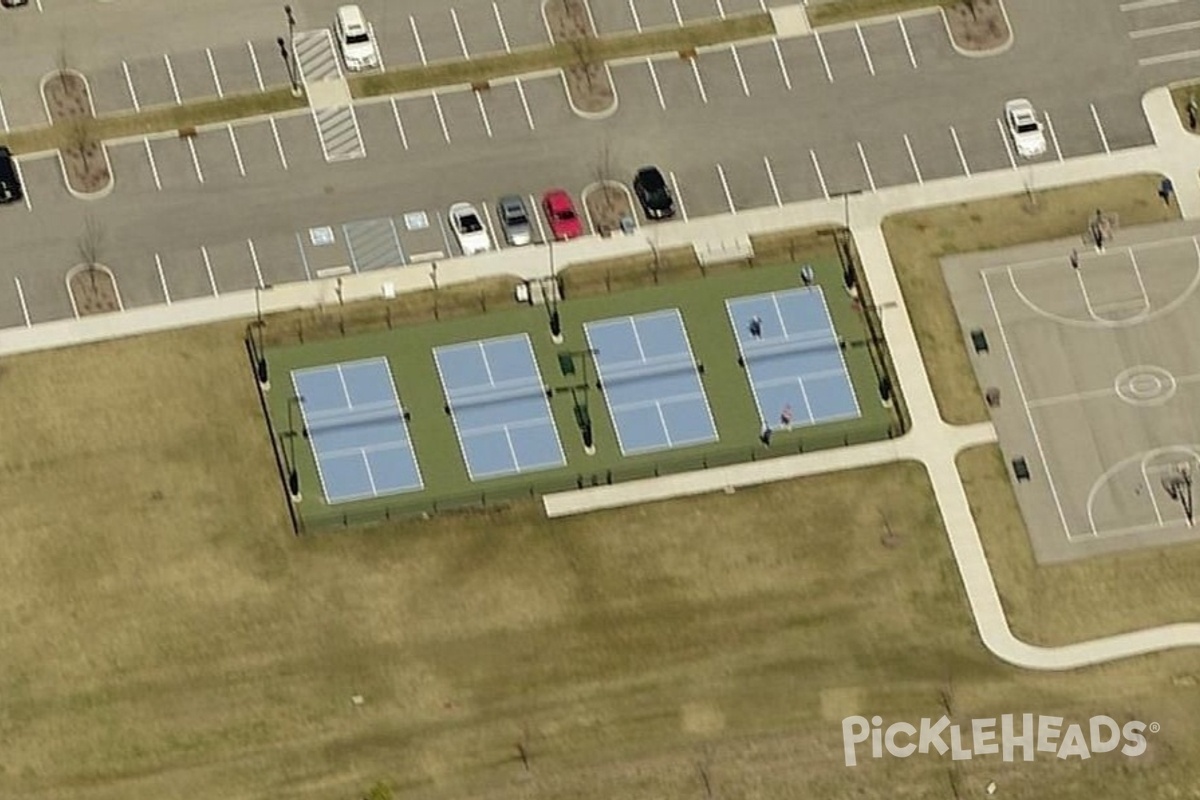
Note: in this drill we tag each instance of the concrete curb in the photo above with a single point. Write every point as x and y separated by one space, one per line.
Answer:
596 186
105 190
78 268
994 51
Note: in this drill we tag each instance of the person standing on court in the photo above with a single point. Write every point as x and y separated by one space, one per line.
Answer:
756 327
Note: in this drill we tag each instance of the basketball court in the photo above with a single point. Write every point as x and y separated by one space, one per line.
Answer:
1094 372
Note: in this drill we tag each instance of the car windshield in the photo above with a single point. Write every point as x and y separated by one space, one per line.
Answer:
470 223
1027 127
358 38
565 213
514 216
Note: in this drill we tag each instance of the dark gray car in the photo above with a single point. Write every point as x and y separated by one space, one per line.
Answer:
10 182
514 220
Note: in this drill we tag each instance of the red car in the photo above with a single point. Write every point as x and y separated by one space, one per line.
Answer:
560 213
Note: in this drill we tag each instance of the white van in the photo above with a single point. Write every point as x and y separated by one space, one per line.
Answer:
356 39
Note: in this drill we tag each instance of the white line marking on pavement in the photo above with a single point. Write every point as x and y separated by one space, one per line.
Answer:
491 226
912 57
437 104
863 43
1150 494
399 124
212 65
862 154
500 25
257 268
237 151
462 42
3 116
812 154
278 143
1138 5
591 20
417 38
153 166
254 63
546 26
21 298
129 83
637 22
1099 128
737 62
24 185
525 103
171 75
195 159
824 60
39 7
1053 135
771 178
725 189
535 210
378 49
787 79
212 279
957 146
1164 29
678 195
662 103
162 278
487 125
678 16
1185 55
913 159
699 83
303 256
720 9
1004 138
1025 404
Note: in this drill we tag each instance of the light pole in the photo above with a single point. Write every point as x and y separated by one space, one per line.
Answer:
552 300
291 21
285 54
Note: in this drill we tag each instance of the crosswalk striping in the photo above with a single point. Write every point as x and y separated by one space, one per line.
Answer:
373 244
316 56
337 128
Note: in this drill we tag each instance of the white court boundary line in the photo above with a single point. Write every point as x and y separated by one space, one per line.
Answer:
1190 450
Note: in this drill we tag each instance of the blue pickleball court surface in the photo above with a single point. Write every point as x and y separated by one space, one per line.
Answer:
501 412
795 365
651 382
357 430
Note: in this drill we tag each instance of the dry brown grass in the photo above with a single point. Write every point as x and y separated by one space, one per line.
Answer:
838 11
918 240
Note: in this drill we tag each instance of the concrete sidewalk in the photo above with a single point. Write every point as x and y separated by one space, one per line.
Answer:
931 440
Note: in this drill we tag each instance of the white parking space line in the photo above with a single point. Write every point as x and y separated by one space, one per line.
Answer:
254 63
787 79
462 42
720 9
591 20
1138 5
912 57
153 165
678 195
958 147
812 154
254 260
771 178
1185 55
525 104
399 124
1178 27
195 159
3 116
171 75
278 143
662 103
437 105
212 66
863 43
378 49
737 62
535 211
445 236
637 22
162 278
500 25
417 38
237 151
824 60
1099 127
24 185
487 124
678 16
699 82
913 159
129 83
1004 138
212 279
1053 135
21 298
862 154
495 232
303 256
725 189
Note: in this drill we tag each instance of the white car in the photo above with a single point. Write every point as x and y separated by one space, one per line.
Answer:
1024 128
469 229
356 39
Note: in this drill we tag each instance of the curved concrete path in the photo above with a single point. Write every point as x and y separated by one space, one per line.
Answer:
931 440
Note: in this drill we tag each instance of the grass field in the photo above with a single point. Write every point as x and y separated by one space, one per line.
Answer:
701 302
164 637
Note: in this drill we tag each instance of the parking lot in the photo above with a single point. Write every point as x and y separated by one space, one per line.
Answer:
813 136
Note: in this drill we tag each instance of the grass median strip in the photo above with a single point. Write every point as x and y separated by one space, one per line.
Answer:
839 11
410 79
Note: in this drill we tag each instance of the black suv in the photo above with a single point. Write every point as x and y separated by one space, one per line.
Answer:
10 184
652 193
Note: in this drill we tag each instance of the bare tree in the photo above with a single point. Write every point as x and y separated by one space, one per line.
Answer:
81 138
972 7
62 61
585 59
90 245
